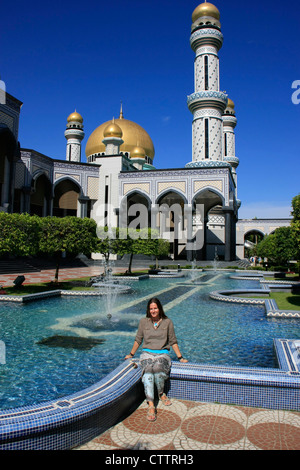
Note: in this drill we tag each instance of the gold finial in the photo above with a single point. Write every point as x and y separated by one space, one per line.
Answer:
121 112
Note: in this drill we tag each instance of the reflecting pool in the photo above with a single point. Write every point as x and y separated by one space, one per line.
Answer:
59 346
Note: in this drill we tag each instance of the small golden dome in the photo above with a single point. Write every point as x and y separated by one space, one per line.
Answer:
230 104
138 152
75 117
205 9
132 133
112 130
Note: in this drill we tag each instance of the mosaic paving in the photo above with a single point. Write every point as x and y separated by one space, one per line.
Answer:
187 425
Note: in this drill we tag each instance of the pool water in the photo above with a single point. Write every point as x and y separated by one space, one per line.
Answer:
59 346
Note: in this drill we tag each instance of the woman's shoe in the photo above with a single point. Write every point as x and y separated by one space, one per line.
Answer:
151 416
165 400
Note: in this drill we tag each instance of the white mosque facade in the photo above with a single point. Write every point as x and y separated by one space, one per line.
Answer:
195 207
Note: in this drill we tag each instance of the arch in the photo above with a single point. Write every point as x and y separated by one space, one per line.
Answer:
209 197
171 220
135 210
251 238
167 191
9 148
66 194
68 178
209 202
254 230
41 194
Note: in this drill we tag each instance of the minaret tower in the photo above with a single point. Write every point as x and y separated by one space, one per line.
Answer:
229 123
74 135
207 103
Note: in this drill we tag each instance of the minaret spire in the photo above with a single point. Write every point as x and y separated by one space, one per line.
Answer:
207 103
121 111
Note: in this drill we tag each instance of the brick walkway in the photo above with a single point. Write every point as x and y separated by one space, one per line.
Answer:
187 426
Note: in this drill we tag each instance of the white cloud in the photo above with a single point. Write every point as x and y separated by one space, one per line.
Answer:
264 210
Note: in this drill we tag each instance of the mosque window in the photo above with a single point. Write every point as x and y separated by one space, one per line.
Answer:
206 136
225 144
206 72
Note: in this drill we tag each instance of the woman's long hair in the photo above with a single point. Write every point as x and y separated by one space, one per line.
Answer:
154 300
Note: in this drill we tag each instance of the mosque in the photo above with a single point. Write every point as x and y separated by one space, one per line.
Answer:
195 207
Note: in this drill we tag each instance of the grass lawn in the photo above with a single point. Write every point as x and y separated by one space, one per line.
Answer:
286 300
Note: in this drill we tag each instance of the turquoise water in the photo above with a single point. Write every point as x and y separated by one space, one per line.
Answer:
59 346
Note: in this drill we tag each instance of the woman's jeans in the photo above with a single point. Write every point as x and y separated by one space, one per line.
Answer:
156 369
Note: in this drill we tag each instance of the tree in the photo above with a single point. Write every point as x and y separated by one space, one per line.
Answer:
67 234
19 234
295 226
279 247
156 246
146 242
124 241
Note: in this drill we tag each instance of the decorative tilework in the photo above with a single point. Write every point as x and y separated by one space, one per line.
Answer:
20 175
93 187
127 187
266 388
8 120
198 185
68 422
63 175
162 186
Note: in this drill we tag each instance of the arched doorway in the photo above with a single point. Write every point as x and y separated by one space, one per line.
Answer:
251 239
41 195
209 225
171 220
135 211
8 150
65 201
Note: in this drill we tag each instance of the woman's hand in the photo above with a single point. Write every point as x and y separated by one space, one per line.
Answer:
183 360
129 356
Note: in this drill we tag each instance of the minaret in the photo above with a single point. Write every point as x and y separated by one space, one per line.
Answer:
207 103
229 123
112 138
74 135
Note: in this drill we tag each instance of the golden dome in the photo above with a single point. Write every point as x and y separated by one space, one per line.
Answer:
230 104
138 152
113 130
132 133
205 9
75 117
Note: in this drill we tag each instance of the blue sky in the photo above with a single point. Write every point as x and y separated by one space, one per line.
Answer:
56 57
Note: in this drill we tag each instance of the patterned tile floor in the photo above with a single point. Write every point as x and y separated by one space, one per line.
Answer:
189 426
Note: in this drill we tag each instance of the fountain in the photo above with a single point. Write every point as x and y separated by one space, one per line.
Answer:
216 260
107 285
